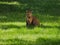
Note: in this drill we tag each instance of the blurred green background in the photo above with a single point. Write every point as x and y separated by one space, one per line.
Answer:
14 9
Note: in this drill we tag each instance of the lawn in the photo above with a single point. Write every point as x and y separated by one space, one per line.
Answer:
13 30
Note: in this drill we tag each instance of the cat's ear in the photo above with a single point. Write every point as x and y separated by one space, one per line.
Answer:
28 11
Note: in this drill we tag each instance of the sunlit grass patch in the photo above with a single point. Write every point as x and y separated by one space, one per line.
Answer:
10 3
18 33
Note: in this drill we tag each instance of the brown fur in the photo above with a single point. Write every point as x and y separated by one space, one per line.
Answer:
31 20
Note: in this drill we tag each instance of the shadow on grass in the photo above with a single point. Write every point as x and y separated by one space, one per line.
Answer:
24 26
39 41
15 27
9 26
45 26
42 41
30 27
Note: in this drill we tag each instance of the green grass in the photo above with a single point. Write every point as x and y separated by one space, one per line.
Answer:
13 30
